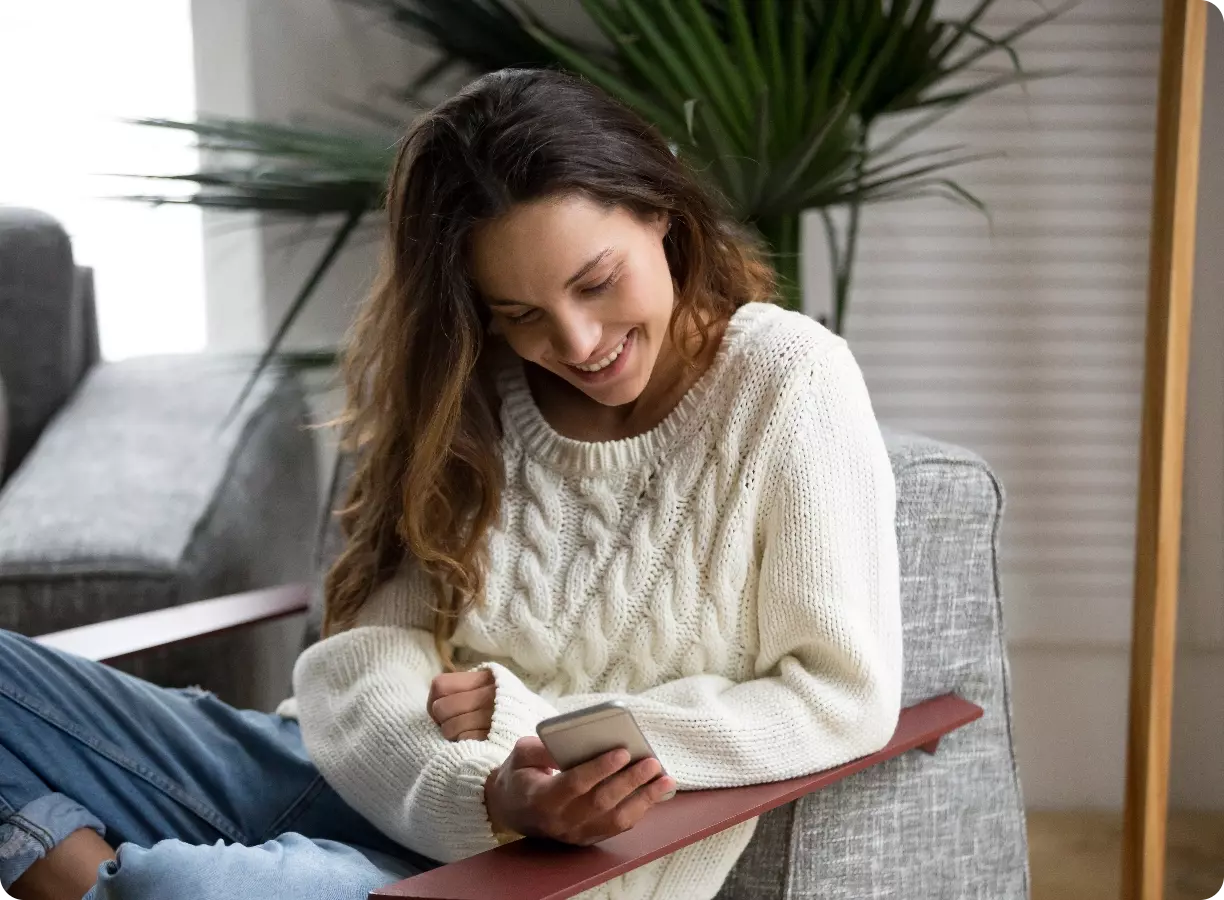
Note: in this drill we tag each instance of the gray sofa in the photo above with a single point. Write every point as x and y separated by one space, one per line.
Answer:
948 826
126 486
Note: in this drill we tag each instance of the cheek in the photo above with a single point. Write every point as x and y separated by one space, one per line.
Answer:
648 298
528 345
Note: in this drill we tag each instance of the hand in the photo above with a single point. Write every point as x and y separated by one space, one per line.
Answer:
462 704
583 805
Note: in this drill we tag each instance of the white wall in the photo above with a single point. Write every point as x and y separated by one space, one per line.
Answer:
283 58
286 61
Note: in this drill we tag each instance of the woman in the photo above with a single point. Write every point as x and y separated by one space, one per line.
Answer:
591 464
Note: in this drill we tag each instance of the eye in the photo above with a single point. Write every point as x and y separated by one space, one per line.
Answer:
603 285
523 318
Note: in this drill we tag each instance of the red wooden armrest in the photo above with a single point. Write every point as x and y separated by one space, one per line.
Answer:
119 638
541 870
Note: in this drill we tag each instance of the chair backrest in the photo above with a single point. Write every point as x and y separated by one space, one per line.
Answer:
48 332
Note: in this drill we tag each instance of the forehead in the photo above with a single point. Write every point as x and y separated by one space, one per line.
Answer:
538 246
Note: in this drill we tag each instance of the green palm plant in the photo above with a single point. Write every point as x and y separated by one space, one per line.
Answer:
778 106
778 102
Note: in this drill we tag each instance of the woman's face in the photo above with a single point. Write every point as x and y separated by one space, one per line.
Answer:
581 289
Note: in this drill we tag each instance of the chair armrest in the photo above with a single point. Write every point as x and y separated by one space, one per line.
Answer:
127 636
542 870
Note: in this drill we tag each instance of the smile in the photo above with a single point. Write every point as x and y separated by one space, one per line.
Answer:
607 360
610 365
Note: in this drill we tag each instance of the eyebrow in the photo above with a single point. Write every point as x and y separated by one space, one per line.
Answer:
589 265
577 276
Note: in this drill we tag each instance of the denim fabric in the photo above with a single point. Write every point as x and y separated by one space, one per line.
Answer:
203 800
290 866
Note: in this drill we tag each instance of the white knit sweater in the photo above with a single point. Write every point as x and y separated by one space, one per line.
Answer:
731 575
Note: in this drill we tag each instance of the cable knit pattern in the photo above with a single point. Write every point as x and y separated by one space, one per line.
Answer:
731 575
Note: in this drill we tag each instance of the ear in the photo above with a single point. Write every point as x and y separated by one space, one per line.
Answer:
662 224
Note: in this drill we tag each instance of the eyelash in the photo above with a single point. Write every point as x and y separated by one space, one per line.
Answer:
591 291
603 285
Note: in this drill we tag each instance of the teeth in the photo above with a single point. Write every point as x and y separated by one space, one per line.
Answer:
606 361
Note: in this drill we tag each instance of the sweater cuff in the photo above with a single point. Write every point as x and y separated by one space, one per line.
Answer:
474 833
516 708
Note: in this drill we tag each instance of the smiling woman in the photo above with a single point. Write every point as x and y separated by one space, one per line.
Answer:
81 67
591 463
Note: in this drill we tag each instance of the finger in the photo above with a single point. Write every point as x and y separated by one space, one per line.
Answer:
605 797
530 752
457 725
473 736
633 808
662 789
457 682
619 803
582 778
453 705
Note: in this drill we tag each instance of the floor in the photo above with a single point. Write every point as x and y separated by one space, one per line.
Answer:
1076 855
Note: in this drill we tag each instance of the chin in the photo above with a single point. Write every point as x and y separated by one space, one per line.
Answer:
614 395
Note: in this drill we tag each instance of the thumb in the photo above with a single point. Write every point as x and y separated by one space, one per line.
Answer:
530 752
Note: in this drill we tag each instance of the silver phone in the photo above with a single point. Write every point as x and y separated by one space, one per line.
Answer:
573 738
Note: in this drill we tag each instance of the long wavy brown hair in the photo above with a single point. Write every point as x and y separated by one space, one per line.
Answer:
421 417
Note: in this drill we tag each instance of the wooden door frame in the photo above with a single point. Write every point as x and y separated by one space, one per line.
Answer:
1158 524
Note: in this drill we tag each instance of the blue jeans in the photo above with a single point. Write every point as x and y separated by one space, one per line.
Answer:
201 801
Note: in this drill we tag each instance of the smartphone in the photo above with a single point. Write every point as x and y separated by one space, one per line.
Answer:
573 738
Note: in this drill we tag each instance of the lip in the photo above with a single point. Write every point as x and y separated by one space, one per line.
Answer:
609 372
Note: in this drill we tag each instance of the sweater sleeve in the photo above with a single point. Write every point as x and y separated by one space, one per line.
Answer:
361 704
828 683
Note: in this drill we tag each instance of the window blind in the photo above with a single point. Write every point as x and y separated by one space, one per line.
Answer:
1022 338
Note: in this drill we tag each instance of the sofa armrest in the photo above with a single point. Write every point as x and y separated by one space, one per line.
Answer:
121 638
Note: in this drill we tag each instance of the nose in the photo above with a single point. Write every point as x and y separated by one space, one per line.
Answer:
575 337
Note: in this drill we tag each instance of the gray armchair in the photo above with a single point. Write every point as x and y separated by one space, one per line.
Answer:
124 489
